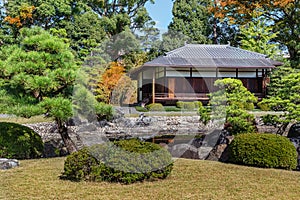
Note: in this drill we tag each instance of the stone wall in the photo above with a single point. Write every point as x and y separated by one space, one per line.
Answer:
83 133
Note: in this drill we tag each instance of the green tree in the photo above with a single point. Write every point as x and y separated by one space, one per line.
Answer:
231 102
257 36
285 98
37 77
191 19
87 22
282 15
170 41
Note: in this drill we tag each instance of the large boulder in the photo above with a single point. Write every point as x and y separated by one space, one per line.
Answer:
294 131
184 151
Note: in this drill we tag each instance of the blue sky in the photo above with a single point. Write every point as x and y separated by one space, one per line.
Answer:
161 13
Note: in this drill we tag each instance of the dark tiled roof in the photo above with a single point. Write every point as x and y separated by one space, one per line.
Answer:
211 56
220 56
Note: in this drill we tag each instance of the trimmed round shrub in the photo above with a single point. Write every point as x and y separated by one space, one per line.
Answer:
189 105
198 104
19 142
263 150
155 107
125 161
179 104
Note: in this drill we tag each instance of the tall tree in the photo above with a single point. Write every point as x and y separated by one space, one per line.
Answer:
283 15
37 76
109 79
285 97
257 36
190 17
87 22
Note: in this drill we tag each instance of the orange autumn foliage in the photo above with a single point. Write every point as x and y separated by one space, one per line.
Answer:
231 8
25 14
111 76
109 80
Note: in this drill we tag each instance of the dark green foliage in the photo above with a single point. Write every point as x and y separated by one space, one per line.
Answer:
204 114
20 142
271 120
172 109
78 165
191 18
263 106
104 111
231 103
125 161
263 150
141 109
155 107
239 121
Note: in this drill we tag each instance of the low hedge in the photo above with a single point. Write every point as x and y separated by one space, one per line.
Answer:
141 109
263 150
198 104
125 161
187 105
155 107
19 142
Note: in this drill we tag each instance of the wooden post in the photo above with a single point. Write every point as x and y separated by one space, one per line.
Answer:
153 86
236 73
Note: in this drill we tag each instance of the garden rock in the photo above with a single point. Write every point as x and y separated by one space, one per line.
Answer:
294 131
184 151
220 151
8 163
87 128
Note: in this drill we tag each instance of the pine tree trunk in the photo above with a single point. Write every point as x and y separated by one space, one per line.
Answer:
63 131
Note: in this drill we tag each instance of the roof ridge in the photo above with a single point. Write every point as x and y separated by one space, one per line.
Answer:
211 45
194 45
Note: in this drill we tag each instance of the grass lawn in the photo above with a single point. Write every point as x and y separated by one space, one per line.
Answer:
190 179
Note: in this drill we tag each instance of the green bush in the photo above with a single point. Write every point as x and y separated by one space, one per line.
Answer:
204 114
155 107
125 161
263 150
189 105
19 142
249 106
263 106
172 109
179 104
78 166
198 104
104 111
186 105
271 120
239 121
141 109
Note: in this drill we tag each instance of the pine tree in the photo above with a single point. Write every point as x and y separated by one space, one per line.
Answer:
190 17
